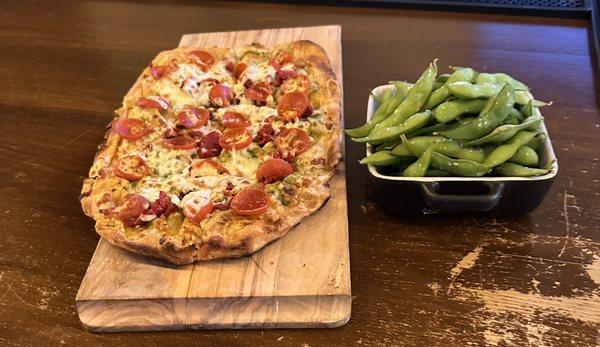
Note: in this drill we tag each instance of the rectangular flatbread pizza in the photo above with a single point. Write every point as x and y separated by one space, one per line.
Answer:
217 152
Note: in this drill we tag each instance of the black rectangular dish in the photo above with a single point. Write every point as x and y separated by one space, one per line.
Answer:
430 195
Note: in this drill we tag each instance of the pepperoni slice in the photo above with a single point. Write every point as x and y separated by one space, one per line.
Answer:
281 59
154 101
273 170
259 92
283 75
250 202
298 83
235 120
131 168
131 129
197 205
180 142
209 145
159 72
220 95
292 142
132 207
193 117
293 105
202 59
236 139
239 69
265 135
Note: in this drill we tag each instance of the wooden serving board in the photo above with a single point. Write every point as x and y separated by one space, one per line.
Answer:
300 280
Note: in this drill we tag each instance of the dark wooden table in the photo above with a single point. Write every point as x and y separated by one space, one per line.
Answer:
416 280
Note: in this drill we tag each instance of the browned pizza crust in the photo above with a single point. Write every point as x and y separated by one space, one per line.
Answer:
230 235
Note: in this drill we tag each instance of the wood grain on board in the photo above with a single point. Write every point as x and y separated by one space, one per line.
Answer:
301 280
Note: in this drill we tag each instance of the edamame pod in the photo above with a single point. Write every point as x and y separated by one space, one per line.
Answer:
400 150
523 97
505 132
466 90
416 98
443 77
419 168
382 112
458 167
415 146
402 87
500 78
516 170
387 145
442 93
450 110
488 121
514 113
504 152
525 156
413 123
382 158
449 148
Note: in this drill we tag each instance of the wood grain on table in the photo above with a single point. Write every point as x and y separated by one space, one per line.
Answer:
416 280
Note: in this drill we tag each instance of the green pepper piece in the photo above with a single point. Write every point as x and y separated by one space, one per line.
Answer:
505 132
516 170
450 110
413 123
504 152
488 121
382 158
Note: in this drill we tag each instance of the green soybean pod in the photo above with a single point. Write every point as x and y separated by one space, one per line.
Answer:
441 94
443 77
511 120
382 112
466 90
524 97
453 149
402 87
458 167
450 110
413 123
535 142
387 145
400 150
507 131
525 156
417 145
382 158
419 167
488 121
437 85
516 114
516 170
416 98
500 78
504 152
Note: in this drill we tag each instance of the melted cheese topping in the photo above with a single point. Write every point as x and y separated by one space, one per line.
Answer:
173 171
